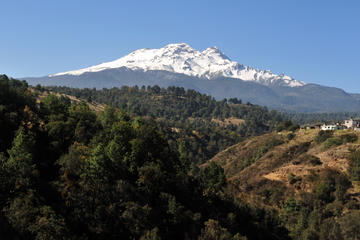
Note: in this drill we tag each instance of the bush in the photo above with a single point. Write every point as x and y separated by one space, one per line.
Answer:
293 178
290 205
332 142
350 137
291 136
313 160
323 135
287 125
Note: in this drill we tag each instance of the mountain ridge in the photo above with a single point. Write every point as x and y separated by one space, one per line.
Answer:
210 72
182 58
308 98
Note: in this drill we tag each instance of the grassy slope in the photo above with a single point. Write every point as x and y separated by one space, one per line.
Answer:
292 157
95 106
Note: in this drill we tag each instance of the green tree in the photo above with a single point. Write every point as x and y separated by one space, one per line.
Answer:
20 162
213 231
213 176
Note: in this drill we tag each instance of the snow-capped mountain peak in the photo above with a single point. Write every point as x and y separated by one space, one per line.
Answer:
182 58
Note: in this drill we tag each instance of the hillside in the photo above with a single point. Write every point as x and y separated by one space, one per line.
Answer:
309 176
68 172
40 95
202 124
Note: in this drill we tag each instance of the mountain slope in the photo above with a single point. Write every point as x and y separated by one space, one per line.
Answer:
181 58
209 72
307 98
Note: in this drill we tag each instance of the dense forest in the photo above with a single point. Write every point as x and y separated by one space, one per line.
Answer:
131 171
70 173
190 120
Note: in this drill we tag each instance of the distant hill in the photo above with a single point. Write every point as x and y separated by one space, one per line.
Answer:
307 98
210 72
206 125
356 96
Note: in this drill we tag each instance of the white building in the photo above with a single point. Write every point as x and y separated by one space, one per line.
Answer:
351 123
330 127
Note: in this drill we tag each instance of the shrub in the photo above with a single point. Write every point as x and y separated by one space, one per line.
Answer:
291 136
313 160
350 137
332 142
323 135
290 205
293 178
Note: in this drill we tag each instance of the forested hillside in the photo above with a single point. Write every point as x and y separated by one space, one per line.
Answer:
195 123
69 173
310 176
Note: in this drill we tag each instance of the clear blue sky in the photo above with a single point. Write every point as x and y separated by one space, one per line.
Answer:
312 40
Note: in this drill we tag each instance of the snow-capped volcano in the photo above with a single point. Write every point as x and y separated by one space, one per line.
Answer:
181 58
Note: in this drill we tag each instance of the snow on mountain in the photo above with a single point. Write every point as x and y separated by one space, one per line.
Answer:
181 58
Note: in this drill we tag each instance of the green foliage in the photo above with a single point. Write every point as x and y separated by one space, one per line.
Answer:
290 205
14 97
354 165
270 143
330 229
69 173
55 107
310 118
287 125
323 135
73 174
186 116
337 141
332 142
326 137
213 230
350 225
213 176
314 161
349 137
320 214
20 166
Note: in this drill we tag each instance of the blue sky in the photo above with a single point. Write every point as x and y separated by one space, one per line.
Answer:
312 41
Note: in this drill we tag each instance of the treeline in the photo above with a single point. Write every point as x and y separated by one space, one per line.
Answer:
69 173
308 118
173 103
188 116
